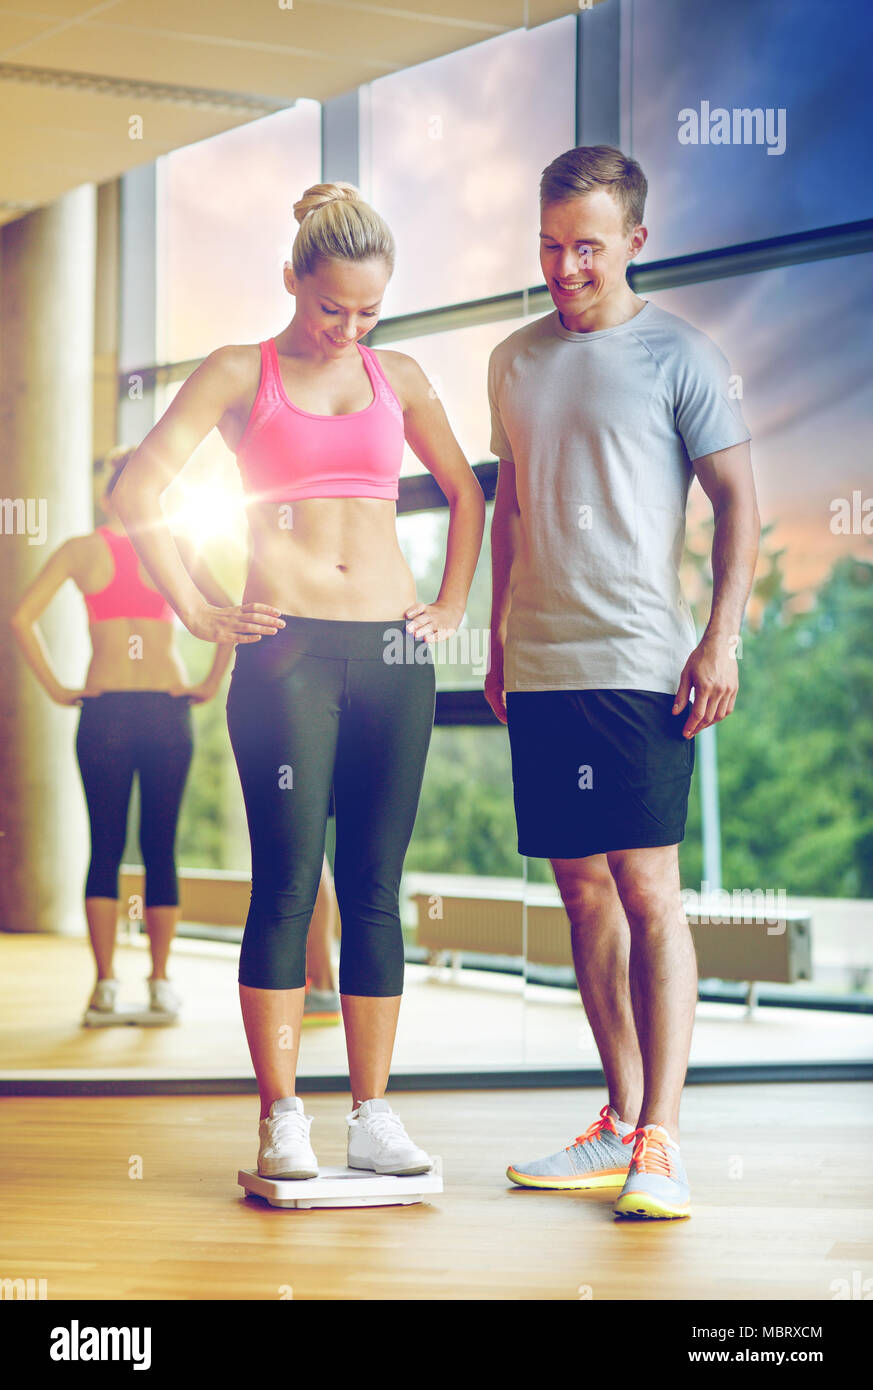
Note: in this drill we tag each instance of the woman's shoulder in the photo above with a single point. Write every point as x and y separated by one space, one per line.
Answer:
405 376
233 360
82 556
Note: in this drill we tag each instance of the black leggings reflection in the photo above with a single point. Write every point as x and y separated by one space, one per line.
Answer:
122 732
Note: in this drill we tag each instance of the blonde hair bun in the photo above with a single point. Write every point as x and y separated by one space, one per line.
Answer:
320 194
346 229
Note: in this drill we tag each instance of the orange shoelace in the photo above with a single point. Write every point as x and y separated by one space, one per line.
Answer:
605 1122
650 1153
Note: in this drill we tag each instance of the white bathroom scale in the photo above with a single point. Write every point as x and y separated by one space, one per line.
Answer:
343 1187
128 1014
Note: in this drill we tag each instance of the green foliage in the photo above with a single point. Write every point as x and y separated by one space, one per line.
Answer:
796 756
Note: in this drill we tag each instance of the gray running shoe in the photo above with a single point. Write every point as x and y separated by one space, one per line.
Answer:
596 1158
657 1185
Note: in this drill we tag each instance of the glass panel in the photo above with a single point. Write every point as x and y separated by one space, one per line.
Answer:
205 504
795 757
798 58
799 339
462 884
461 900
461 662
456 149
456 363
225 228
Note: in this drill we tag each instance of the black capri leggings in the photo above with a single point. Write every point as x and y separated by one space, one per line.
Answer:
326 701
121 732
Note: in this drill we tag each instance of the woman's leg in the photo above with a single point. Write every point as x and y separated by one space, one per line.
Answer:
282 714
160 924
105 755
165 748
384 735
272 1018
102 917
371 1027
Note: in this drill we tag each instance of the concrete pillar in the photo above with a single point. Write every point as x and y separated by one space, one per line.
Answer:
47 282
106 317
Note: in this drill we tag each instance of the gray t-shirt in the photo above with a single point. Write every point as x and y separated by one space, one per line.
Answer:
602 428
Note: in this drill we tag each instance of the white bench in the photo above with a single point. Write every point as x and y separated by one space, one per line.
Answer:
486 916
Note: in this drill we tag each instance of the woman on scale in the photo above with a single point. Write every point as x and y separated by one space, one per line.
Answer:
135 717
318 421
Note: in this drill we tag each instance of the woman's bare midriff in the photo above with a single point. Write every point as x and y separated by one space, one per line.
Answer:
134 654
329 557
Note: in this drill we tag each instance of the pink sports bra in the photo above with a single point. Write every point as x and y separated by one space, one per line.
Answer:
287 453
125 596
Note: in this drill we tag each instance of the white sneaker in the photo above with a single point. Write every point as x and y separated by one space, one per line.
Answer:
378 1142
285 1150
103 1005
164 1003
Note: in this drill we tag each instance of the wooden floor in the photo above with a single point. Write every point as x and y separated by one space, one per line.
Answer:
780 1183
481 1019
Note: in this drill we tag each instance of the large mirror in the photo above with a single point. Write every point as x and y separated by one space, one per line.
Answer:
777 860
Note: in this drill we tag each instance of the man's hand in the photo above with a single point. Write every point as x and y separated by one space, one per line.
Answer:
494 691
711 672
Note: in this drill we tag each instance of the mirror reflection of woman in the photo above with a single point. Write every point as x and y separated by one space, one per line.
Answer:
135 719
318 423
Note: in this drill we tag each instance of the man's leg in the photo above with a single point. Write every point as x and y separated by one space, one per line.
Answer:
663 975
601 949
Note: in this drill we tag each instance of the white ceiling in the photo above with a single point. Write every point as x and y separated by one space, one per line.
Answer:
73 75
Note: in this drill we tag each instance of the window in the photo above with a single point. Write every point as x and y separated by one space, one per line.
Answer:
800 58
456 363
225 228
799 338
456 149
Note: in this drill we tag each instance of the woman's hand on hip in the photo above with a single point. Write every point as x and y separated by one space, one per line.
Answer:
75 697
433 621
246 622
194 694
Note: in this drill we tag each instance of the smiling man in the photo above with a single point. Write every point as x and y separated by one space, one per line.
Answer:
602 413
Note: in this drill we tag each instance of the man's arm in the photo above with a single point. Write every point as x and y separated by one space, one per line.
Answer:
711 669
504 544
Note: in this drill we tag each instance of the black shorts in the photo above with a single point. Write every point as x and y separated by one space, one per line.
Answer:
597 770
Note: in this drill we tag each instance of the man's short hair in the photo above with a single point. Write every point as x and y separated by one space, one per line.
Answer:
580 171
